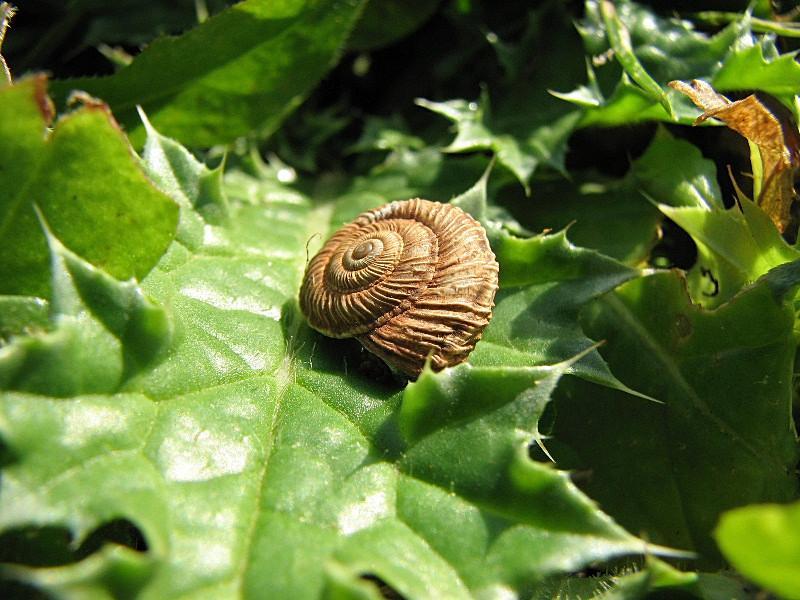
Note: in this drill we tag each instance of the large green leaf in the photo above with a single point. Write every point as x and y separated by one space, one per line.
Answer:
246 68
257 458
723 436
84 179
54 34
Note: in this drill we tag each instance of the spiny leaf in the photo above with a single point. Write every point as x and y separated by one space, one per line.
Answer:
187 181
84 178
736 246
657 577
777 26
101 331
620 41
747 67
723 436
257 458
544 282
477 130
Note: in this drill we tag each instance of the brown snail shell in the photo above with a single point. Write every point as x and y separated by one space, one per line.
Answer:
411 280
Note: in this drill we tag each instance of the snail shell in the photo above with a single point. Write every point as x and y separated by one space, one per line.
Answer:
410 280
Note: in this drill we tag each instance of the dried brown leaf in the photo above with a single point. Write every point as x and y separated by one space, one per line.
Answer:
770 128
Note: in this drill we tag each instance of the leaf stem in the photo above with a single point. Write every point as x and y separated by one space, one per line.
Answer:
620 40
782 28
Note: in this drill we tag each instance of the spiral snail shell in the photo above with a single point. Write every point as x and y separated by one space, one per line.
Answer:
411 280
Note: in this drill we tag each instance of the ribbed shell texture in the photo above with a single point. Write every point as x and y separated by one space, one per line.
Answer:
411 280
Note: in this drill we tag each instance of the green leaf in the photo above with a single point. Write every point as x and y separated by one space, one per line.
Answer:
779 27
61 31
246 68
657 579
84 178
495 413
544 282
748 68
113 572
386 134
723 436
187 181
405 173
101 332
258 458
19 314
673 172
177 430
657 576
665 47
763 543
545 142
610 217
735 246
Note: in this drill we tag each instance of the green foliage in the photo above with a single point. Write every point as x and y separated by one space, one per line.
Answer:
662 345
662 49
250 66
529 127
735 247
171 427
763 542
83 178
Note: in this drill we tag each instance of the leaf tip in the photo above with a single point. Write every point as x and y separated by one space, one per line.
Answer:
148 126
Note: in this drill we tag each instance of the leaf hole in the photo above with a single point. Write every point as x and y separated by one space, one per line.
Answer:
536 453
52 546
385 590
119 531
676 248
11 589
7 456
593 571
47 546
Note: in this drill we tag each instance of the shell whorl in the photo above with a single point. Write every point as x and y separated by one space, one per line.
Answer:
410 279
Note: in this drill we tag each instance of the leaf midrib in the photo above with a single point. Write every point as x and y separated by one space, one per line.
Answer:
285 375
